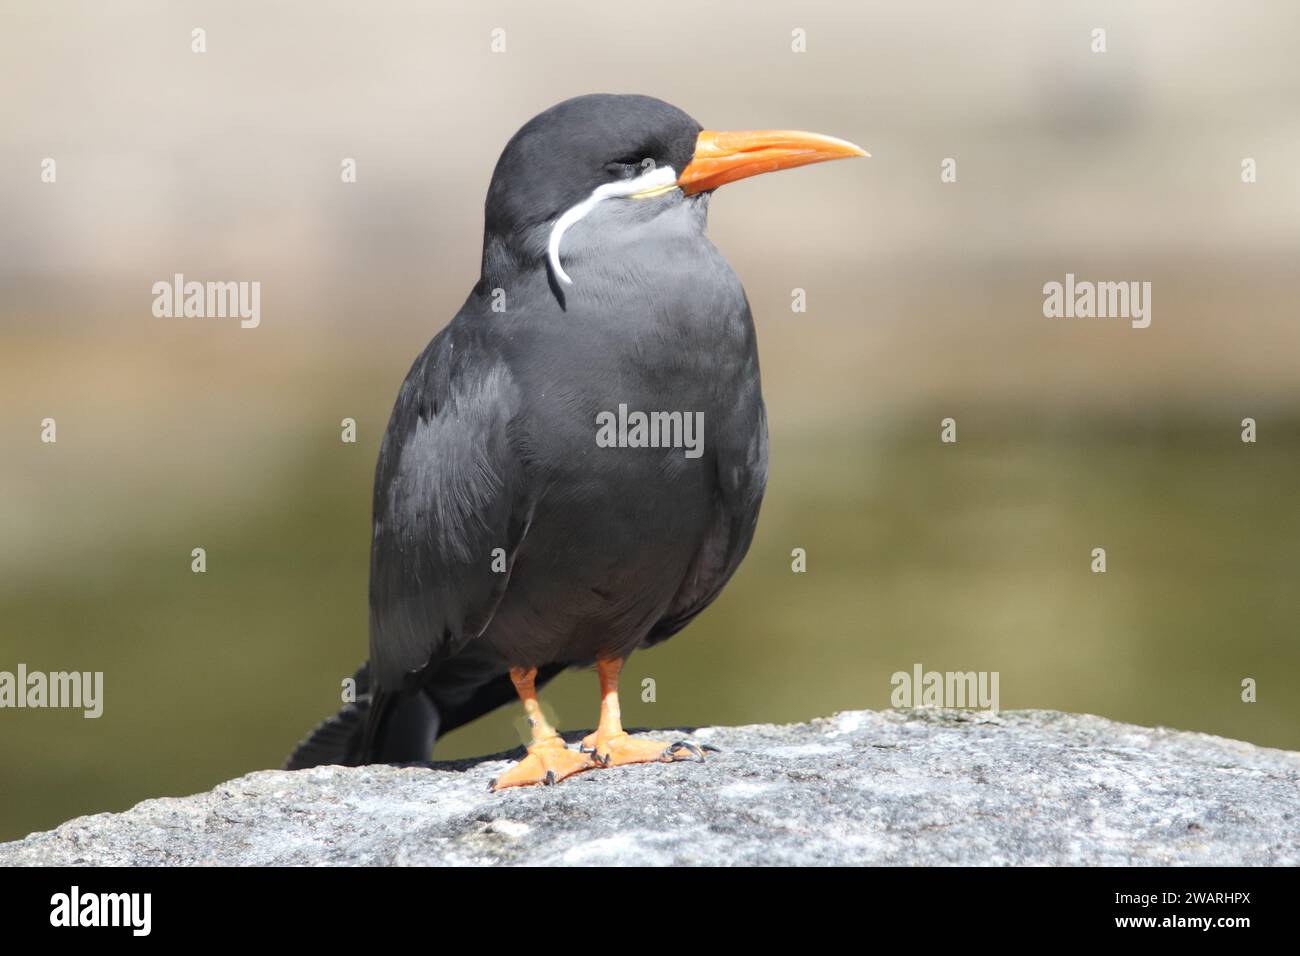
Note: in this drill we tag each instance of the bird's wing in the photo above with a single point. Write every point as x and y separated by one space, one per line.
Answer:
742 478
449 506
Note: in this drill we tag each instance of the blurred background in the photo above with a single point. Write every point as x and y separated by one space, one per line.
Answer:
924 302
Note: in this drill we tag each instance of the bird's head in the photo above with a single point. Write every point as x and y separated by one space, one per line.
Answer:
636 151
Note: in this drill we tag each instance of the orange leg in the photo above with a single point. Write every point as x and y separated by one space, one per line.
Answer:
548 760
610 744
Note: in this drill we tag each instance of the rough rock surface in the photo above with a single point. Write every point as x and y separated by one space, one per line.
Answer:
894 787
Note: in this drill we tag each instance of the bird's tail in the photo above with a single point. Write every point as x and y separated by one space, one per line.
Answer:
373 728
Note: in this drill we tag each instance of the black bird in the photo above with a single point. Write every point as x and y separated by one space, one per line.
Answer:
574 466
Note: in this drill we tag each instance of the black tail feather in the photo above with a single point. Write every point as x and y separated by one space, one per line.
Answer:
338 739
380 727
373 728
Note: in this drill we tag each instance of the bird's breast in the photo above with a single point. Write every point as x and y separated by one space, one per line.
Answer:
633 405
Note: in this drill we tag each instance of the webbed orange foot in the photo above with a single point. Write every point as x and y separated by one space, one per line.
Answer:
549 761
617 749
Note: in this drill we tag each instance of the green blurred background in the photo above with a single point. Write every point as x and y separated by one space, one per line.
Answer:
924 301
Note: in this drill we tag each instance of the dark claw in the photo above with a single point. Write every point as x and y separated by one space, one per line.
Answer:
550 778
710 749
492 784
687 746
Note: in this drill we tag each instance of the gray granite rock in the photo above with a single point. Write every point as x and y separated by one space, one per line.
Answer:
894 787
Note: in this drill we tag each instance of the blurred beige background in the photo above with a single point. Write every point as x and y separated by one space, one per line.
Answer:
924 301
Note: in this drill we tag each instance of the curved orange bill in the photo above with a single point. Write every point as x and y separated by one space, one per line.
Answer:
724 157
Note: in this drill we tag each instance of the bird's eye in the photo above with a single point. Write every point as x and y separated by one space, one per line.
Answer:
629 167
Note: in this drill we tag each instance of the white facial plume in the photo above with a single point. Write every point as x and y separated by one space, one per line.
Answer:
656 181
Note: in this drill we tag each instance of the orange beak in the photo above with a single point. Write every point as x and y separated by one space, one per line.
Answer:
722 158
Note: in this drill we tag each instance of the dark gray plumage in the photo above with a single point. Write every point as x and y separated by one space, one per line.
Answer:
508 542
491 443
